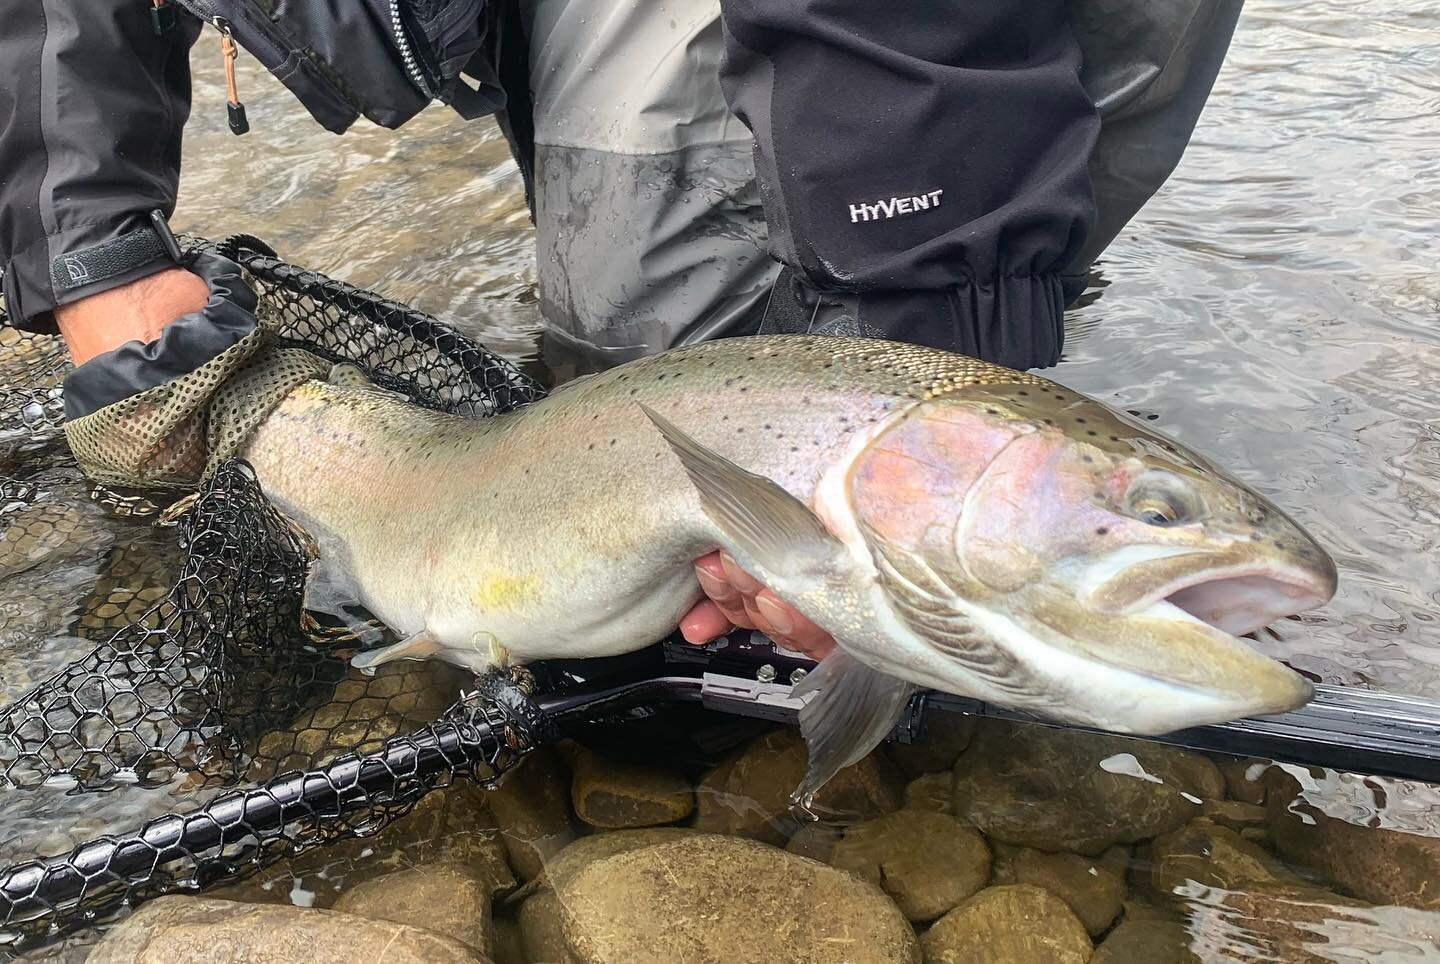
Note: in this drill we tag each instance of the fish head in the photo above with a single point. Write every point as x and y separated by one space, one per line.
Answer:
1054 556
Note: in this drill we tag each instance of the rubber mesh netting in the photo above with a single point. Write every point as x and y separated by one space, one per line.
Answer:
155 662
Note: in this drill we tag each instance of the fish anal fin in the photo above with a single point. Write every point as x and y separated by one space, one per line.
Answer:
852 708
768 528
421 645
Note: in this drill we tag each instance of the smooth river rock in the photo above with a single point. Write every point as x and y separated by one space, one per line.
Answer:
1092 887
1378 864
1215 856
446 898
926 862
712 898
946 737
1146 942
1010 924
748 795
585 851
1055 789
933 792
614 794
199 930
532 807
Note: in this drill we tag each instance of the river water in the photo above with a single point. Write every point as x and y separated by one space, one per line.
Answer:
1276 306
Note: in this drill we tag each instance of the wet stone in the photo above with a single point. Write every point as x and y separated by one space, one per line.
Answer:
1146 942
1375 863
507 944
445 898
749 794
576 856
541 935
1214 856
198 930
932 792
448 825
815 840
1055 789
946 737
614 794
1233 814
1244 778
1092 887
532 806
712 898
927 862
1009 924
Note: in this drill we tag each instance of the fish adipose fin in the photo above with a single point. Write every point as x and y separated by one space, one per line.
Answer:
769 528
420 645
852 709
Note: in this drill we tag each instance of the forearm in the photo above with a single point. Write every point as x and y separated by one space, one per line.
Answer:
92 103
930 159
131 312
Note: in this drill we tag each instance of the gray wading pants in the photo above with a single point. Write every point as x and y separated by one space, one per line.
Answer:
650 230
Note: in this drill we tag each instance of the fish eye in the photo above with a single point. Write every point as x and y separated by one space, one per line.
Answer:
1156 513
1161 499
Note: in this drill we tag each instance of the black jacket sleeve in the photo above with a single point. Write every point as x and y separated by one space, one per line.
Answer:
92 103
928 156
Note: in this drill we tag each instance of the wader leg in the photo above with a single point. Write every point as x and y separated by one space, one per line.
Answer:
649 228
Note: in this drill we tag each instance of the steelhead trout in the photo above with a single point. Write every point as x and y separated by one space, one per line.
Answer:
954 525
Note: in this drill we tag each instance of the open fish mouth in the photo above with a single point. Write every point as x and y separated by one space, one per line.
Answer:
1170 622
1235 597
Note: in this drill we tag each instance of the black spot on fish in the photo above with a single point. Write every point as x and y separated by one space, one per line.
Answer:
612 442
1092 432
660 377
729 382
1102 531
794 448
591 445
1022 392
1080 421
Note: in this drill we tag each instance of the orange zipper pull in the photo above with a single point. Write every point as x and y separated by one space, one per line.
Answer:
235 111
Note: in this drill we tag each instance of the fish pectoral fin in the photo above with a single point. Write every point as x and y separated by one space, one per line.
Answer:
852 709
767 528
421 645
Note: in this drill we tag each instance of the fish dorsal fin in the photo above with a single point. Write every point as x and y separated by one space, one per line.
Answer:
771 533
852 708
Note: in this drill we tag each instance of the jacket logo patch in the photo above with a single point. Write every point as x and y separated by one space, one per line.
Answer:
890 207
75 269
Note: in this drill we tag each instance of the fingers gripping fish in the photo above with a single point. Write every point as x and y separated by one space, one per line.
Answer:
954 525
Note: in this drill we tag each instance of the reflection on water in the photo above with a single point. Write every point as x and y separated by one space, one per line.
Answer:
1276 306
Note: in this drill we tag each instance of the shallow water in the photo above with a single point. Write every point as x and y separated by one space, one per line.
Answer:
1277 306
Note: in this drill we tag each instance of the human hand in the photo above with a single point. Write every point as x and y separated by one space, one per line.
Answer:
734 598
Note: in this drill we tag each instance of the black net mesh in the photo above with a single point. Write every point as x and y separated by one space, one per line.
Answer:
158 661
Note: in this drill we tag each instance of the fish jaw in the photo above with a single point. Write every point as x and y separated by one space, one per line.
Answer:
1013 575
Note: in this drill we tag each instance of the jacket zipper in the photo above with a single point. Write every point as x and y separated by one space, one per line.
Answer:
407 52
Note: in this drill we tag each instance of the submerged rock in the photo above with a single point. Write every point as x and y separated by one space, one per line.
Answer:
926 862
1244 777
1010 924
1214 856
532 806
1092 887
445 898
946 737
712 898
1146 942
585 851
749 794
450 824
931 792
1376 863
1055 789
199 930
614 794
541 933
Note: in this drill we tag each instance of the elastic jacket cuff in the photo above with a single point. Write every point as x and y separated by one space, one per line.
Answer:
183 346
